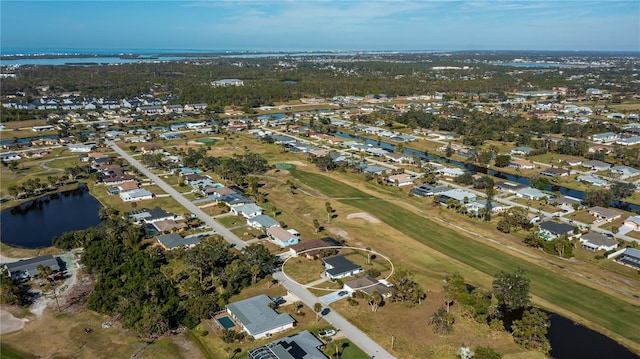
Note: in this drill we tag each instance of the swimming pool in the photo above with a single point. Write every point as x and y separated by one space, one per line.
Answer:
226 322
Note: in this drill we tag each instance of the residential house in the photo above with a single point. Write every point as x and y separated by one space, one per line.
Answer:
596 165
522 151
475 207
510 187
629 141
28 268
152 215
629 257
552 230
235 199
282 237
174 240
79 147
633 222
262 222
219 191
604 214
554 172
400 180
522 164
450 172
195 107
604 137
426 190
303 345
168 225
457 194
399 157
227 82
368 285
248 210
570 161
257 318
339 267
9 156
593 180
533 194
596 242
601 148
170 136
565 202
139 194
375 170
624 171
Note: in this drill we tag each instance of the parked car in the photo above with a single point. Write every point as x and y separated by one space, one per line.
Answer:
326 333
342 293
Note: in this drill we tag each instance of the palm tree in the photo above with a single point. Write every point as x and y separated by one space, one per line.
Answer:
317 307
442 321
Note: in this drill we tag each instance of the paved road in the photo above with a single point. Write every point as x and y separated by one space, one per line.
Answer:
350 331
217 227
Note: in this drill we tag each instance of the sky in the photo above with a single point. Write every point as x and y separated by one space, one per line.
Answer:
296 25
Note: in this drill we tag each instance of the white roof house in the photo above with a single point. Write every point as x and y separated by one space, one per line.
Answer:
596 242
248 210
138 194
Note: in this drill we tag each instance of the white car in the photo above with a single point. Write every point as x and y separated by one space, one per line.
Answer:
326 333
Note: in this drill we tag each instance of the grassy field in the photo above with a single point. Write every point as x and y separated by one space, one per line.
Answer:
620 322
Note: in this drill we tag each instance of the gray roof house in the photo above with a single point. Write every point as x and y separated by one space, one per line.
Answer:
368 285
592 179
604 214
555 229
624 171
257 318
262 221
174 240
458 195
340 267
27 268
303 345
531 193
596 165
629 257
522 150
247 210
595 242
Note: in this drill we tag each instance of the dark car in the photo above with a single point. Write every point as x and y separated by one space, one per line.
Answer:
342 293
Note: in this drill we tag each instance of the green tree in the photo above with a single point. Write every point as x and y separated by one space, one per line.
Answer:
530 331
329 209
512 289
486 352
620 190
502 160
317 307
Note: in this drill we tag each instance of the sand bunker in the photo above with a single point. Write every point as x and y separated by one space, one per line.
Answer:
362 215
9 323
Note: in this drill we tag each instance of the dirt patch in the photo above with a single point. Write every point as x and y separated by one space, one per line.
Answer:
75 298
9 323
363 215
282 172
340 233
196 143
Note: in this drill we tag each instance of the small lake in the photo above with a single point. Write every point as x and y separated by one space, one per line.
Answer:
571 340
35 223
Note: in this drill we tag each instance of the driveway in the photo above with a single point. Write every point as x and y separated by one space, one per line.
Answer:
334 297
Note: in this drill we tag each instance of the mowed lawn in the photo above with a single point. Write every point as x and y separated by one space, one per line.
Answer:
611 313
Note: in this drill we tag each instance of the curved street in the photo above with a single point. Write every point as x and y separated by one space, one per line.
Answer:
350 331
